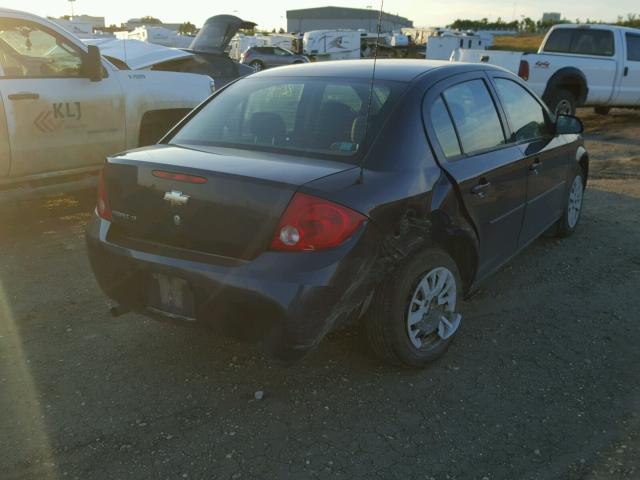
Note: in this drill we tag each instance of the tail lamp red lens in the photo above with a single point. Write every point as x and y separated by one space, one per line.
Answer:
312 223
523 70
103 208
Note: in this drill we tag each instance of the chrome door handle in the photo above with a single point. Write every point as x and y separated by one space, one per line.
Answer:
535 165
23 96
480 189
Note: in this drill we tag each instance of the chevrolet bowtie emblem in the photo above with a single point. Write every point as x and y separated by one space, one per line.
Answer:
176 198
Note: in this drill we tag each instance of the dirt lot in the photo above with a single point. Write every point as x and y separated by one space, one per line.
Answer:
543 381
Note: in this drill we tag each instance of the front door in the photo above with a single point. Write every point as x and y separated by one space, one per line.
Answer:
57 118
489 171
629 91
546 156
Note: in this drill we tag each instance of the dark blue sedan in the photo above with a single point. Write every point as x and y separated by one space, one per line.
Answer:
305 198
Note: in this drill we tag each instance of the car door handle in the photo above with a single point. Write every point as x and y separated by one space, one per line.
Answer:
24 96
535 165
626 71
481 188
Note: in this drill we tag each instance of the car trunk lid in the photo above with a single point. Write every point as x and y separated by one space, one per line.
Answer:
208 200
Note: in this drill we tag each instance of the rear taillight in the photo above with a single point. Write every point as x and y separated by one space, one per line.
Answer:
312 223
523 70
103 208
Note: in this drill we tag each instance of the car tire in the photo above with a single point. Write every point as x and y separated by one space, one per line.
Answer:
257 65
602 110
573 205
396 305
562 101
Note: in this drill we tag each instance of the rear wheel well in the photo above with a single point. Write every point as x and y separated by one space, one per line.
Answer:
156 123
570 82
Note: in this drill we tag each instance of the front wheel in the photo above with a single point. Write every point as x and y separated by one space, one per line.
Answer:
573 207
414 315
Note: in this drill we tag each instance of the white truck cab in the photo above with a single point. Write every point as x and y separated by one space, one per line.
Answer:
576 65
64 108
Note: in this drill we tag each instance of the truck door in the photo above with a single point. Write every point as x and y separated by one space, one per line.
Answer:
629 92
57 118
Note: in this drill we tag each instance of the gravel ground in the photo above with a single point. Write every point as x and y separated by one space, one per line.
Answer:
543 381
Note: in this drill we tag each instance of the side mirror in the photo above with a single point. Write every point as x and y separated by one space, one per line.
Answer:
568 125
92 64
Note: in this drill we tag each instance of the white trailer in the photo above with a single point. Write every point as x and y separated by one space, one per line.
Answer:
442 43
241 43
332 44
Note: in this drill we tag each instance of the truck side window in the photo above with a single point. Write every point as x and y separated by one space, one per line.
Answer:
559 41
592 42
475 116
526 115
27 50
443 126
633 47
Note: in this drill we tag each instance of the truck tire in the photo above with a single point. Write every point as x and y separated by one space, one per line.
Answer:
562 102
602 110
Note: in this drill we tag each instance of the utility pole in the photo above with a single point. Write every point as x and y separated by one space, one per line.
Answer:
71 2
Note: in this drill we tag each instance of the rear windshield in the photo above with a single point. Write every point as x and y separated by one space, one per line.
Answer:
581 41
310 116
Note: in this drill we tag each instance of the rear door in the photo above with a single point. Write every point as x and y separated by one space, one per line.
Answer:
546 155
629 92
469 136
57 118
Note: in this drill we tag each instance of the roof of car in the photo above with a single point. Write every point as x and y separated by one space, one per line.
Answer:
386 69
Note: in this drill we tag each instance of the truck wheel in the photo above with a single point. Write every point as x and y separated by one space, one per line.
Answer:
602 110
562 102
257 65
413 317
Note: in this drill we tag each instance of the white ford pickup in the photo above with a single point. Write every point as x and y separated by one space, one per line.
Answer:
64 108
576 65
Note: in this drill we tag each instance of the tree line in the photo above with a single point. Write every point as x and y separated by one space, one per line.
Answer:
528 25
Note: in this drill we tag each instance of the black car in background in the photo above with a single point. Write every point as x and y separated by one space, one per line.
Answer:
301 199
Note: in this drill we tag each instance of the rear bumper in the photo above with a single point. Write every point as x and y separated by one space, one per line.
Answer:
288 300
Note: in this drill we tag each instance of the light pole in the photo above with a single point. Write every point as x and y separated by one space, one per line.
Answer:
71 2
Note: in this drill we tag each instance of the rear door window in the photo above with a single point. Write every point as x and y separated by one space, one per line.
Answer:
559 41
583 41
633 47
444 129
475 116
592 42
525 114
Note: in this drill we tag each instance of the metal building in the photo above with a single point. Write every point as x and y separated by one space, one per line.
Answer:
330 18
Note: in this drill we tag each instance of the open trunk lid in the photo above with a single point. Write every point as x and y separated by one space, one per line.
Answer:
217 32
229 204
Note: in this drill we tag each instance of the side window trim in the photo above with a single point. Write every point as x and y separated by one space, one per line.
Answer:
455 129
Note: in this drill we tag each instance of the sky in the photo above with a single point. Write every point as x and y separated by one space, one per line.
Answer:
270 14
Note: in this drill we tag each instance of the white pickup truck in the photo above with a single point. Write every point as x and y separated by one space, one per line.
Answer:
576 65
64 108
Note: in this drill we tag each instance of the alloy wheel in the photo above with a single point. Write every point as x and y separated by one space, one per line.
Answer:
431 316
575 202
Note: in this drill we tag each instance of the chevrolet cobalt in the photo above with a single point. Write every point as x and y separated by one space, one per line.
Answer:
302 199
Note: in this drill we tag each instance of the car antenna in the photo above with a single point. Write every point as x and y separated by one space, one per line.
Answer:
373 78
